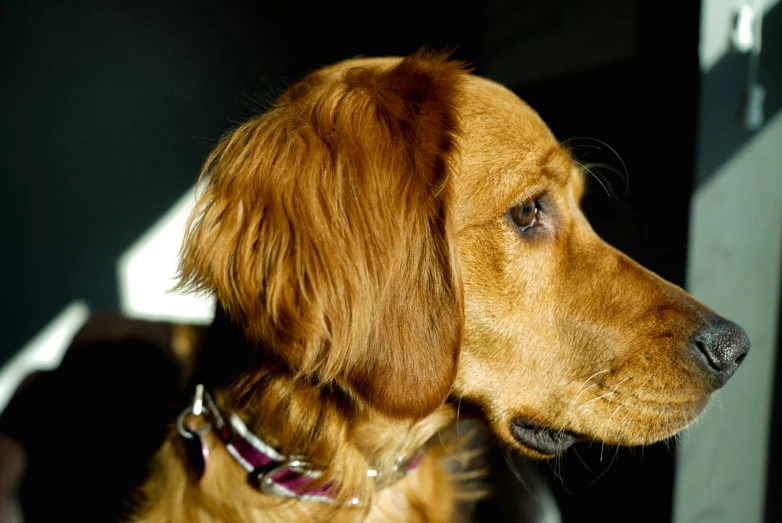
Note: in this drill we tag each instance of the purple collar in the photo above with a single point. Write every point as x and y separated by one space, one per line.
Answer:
269 471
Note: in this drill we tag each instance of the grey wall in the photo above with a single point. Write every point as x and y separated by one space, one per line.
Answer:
735 264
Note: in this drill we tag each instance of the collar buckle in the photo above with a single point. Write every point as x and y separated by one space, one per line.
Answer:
289 479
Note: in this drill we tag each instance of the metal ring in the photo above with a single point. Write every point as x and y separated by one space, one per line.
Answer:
187 432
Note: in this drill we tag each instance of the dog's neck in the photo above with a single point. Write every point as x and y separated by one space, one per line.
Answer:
299 417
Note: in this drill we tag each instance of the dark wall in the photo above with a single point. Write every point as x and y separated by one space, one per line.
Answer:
110 107
108 110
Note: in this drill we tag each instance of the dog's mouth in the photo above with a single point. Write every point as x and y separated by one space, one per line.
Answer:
548 442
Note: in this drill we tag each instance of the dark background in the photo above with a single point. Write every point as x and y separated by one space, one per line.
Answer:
109 108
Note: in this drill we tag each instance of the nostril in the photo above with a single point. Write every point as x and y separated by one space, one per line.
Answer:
708 354
721 347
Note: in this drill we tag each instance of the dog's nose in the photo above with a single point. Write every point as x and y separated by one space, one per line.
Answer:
720 347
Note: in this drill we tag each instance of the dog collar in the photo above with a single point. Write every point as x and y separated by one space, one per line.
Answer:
270 471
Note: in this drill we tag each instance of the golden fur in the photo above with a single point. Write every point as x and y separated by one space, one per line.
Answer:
357 238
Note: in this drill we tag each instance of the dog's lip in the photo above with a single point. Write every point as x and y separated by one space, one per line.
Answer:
548 442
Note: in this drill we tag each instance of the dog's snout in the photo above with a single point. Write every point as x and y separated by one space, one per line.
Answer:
721 346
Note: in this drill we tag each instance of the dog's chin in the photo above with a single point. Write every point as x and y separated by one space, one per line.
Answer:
539 441
648 423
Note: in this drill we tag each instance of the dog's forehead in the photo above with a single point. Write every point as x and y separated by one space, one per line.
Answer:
507 152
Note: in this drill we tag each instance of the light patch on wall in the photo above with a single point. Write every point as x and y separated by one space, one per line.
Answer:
44 351
718 19
147 273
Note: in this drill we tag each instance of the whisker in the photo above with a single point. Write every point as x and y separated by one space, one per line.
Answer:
514 469
624 174
618 156
608 168
582 145
602 443
558 475
627 173
613 391
615 411
596 177
458 432
584 463
581 389
616 453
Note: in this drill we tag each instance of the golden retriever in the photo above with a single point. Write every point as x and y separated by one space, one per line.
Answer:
391 237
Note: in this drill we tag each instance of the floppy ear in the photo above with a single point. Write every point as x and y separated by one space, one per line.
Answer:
325 229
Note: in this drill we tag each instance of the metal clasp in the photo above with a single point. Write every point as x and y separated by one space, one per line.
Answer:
292 464
402 467
196 410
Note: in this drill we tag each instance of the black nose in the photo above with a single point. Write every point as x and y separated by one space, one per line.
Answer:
720 347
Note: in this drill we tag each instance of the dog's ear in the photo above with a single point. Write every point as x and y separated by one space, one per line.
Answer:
325 229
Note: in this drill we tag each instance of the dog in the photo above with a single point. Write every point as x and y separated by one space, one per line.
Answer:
393 237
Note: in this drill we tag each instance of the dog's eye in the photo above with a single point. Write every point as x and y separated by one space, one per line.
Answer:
525 215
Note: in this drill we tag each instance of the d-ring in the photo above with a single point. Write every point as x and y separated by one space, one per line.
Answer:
197 410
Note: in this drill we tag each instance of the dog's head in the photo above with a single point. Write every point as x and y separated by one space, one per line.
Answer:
404 231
